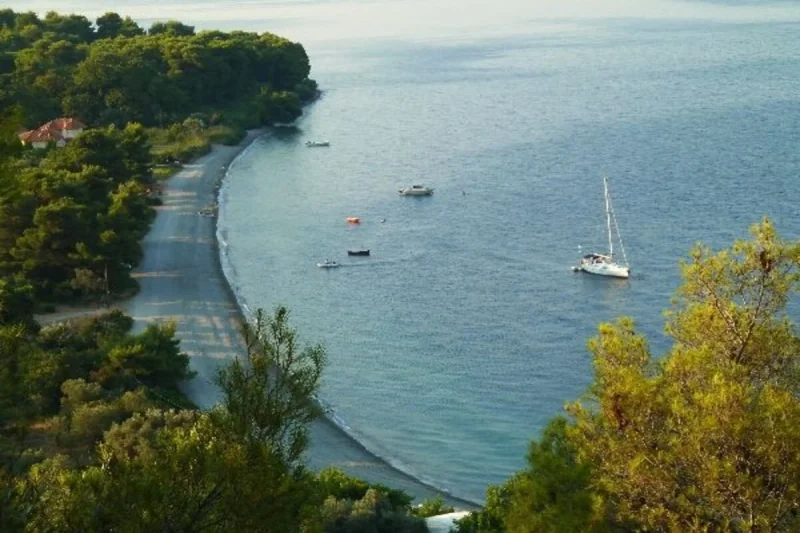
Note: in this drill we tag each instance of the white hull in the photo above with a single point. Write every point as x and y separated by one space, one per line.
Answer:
606 269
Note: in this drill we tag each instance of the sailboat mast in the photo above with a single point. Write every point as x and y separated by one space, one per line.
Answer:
608 218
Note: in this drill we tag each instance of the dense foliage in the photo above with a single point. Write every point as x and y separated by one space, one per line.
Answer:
77 378
705 438
71 219
90 441
115 73
354 506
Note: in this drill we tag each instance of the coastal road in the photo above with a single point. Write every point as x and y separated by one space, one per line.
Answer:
181 280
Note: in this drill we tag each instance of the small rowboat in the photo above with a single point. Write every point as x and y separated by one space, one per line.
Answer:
358 252
328 264
353 220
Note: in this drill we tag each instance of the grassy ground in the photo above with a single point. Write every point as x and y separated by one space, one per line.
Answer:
163 172
186 141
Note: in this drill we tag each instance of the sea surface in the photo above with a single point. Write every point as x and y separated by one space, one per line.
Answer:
465 331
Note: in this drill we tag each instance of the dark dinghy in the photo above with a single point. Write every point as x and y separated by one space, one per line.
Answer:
357 252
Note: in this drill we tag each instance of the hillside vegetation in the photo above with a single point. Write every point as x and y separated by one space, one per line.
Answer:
116 73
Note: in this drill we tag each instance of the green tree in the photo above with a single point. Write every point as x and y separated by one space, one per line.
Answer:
42 75
136 436
432 507
45 250
190 479
279 107
372 513
75 27
9 147
112 25
491 518
554 494
268 395
153 358
229 470
16 303
335 483
172 28
706 438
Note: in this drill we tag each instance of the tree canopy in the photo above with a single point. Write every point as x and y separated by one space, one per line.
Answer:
72 220
114 73
119 458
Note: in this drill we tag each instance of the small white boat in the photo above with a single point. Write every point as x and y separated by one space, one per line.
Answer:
328 264
315 144
416 190
605 264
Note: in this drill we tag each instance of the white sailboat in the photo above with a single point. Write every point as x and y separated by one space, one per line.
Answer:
606 264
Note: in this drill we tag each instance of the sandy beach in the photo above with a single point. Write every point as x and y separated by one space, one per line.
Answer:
181 280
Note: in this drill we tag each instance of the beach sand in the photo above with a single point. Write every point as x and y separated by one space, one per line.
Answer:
181 280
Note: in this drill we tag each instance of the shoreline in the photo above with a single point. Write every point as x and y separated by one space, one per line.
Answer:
182 279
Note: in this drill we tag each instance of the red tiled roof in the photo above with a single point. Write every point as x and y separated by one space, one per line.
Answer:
51 131
41 134
66 123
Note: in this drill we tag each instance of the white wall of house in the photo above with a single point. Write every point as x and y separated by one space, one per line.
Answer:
41 145
71 134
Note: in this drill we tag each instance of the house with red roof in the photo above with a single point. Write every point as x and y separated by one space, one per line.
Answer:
57 131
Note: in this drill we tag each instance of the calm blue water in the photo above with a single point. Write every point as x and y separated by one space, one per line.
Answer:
465 331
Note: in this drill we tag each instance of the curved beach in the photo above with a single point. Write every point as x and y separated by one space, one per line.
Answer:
181 280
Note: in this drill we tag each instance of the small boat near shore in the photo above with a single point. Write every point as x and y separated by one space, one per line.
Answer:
317 144
353 220
416 190
358 252
328 264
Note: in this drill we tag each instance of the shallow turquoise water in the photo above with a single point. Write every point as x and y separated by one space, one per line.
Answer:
465 331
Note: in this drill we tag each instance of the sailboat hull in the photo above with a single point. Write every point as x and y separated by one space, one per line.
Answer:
606 269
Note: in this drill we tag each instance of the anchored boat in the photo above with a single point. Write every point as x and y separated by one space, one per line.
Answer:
606 264
328 264
358 252
416 190
317 144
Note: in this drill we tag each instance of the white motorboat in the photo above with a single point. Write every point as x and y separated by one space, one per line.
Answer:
605 264
315 144
416 190
328 264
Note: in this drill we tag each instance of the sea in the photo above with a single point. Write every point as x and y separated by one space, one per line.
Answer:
465 331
